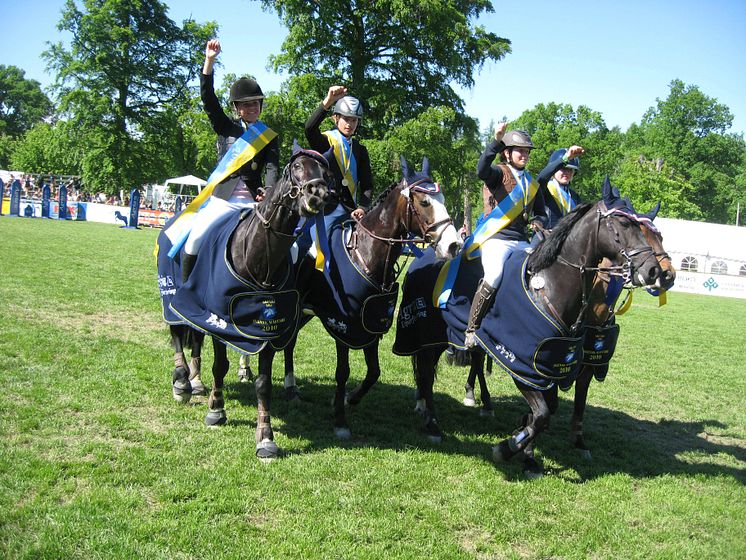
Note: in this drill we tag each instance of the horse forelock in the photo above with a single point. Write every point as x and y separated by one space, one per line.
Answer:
548 251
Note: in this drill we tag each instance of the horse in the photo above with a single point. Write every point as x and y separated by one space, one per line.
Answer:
356 297
242 292
538 343
600 323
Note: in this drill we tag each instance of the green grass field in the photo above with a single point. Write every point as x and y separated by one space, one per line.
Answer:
98 461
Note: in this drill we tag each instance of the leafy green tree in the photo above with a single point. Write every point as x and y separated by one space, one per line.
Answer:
400 57
22 102
553 126
126 66
50 148
451 144
688 132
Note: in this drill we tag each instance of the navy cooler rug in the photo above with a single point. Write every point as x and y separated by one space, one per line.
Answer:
216 301
523 338
353 308
169 275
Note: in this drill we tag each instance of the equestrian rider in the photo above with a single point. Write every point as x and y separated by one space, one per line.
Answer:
244 188
351 166
508 193
557 197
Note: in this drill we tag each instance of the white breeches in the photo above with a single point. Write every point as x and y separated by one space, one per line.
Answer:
495 252
215 209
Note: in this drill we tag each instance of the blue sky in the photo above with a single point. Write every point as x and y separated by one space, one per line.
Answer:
614 57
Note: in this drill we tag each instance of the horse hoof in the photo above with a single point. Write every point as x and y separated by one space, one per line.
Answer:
198 387
342 433
244 375
501 453
532 470
267 451
216 418
182 392
436 439
293 395
486 412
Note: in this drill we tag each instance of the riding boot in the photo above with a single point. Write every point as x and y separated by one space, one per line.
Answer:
479 306
187 264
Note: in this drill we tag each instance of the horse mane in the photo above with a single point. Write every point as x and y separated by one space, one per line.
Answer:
382 196
547 251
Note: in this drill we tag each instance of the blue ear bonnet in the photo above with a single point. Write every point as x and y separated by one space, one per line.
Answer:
616 203
419 180
323 159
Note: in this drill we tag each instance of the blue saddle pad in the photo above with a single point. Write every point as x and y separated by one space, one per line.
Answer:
218 302
353 308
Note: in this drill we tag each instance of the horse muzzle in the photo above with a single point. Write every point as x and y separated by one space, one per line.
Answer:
449 243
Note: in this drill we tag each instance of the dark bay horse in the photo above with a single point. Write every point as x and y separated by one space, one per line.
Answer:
242 291
600 320
356 297
555 282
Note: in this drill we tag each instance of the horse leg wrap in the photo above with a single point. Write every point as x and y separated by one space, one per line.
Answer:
179 361
479 306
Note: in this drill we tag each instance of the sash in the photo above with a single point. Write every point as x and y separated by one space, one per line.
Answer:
503 214
345 160
561 196
243 150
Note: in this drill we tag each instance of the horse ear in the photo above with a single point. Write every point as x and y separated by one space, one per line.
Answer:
404 167
607 194
296 146
653 212
425 167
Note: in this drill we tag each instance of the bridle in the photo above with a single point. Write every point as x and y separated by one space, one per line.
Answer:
623 271
286 200
431 233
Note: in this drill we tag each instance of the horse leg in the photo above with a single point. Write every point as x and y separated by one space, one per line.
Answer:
582 383
292 393
266 448
245 375
373 373
341 374
195 364
531 467
477 360
525 436
469 398
424 364
215 402
181 388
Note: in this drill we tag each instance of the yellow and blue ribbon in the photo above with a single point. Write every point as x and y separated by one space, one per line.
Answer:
503 214
243 150
345 159
561 196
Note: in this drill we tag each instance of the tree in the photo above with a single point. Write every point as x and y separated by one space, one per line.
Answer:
50 148
128 64
399 57
22 102
553 126
688 132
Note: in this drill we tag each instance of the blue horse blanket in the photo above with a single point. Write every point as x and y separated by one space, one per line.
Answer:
218 302
353 308
516 332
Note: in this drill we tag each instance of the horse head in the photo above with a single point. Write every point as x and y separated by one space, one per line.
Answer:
426 214
308 179
652 234
623 241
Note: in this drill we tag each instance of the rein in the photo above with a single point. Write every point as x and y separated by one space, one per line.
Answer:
391 242
624 271
295 190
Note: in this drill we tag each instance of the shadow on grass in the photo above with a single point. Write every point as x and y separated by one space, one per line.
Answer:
385 419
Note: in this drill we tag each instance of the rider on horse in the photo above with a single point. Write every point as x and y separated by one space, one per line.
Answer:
244 188
508 192
351 165
557 198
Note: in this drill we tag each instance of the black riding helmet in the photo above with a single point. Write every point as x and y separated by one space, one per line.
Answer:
245 89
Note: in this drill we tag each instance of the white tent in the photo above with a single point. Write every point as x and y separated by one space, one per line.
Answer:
187 180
